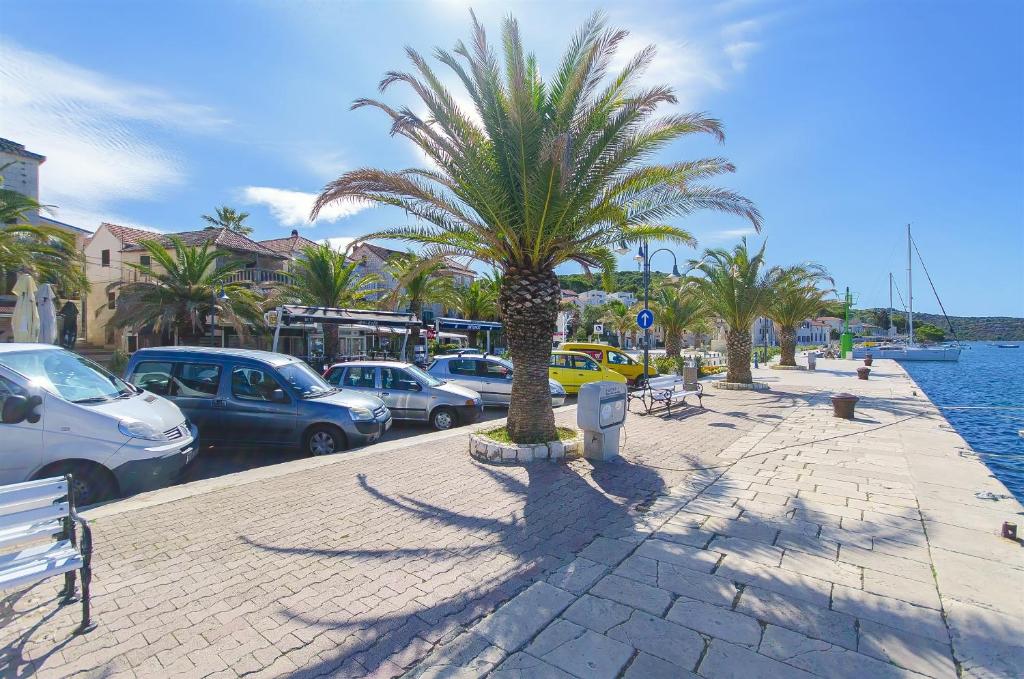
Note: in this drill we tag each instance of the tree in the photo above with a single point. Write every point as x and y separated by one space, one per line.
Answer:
476 301
677 309
736 287
322 276
619 319
589 317
226 218
796 296
417 285
546 173
926 332
900 323
178 290
50 254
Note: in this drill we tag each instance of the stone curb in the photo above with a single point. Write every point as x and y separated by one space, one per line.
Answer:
741 386
485 449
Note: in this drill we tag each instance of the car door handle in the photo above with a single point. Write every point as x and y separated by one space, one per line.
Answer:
219 402
385 393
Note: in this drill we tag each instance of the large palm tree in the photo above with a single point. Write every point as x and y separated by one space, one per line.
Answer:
323 276
225 217
179 289
418 283
797 296
619 318
476 301
545 173
47 252
736 287
677 309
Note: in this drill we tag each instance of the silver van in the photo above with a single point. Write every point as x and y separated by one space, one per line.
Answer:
249 398
409 392
64 414
491 376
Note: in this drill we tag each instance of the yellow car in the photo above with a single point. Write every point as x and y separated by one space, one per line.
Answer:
612 359
572 369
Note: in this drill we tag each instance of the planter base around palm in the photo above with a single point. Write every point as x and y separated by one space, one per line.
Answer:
488 450
741 386
778 366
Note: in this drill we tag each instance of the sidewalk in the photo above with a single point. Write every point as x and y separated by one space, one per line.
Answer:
759 538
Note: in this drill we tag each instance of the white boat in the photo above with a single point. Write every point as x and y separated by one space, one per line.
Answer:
911 351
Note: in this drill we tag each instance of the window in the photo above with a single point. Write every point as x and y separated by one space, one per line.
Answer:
560 361
494 370
359 377
198 380
144 260
73 377
154 376
462 366
584 363
253 384
615 358
111 300
303 380
396 378
105 258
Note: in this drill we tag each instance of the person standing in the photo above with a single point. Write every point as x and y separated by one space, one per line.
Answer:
69 335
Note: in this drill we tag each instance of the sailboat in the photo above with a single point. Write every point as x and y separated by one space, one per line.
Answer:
910 351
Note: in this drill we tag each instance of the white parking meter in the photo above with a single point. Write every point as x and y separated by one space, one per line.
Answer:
600 413
812 360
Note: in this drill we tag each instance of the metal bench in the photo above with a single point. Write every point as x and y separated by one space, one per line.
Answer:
31 512
667 390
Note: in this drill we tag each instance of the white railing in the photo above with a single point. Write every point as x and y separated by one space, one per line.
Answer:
258 276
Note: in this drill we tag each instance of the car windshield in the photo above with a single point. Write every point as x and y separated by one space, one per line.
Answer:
304 381
68 375
423 377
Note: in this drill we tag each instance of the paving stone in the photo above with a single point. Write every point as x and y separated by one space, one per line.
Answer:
554 635
906 568
639 568
686 535
799 616
515 622
606 551
822 569
666 640
986 643
911 591
696 585
633 594
892 612
596 613
747 549
523 666
826 549
911 651
590 655
681 555
750 529
729 661
831 661
958 577
578 575
715 621
778 580
647 666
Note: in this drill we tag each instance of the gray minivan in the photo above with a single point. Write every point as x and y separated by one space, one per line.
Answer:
409 392
244 397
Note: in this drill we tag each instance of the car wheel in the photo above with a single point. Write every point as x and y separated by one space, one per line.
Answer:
91 483
443 418
324 440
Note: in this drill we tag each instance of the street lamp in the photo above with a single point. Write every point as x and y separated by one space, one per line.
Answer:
643 256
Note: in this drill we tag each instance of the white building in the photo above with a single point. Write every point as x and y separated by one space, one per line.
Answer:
626 297
592 297
763 332
812 331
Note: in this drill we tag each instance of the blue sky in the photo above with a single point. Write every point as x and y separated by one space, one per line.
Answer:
846 120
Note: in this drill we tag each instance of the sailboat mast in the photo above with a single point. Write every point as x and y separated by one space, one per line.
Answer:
910 293
888 325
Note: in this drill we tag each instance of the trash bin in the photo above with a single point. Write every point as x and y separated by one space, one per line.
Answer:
812 360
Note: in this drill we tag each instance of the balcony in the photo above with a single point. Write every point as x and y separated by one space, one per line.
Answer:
258 276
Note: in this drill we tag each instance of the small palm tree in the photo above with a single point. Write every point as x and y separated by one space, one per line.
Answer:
619 318
179 290
227 218
677 309
797 296
417 284
476 301
323 276
546 173
737 288
48 253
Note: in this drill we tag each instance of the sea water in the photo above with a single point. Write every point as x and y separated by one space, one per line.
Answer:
982 396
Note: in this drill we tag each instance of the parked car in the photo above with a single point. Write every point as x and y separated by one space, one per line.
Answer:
613 359
573 369
409 392
490 376
64 414
248 398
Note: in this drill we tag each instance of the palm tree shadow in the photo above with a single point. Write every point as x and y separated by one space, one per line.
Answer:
13 662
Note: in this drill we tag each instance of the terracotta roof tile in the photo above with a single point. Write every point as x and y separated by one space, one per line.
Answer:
289 245
222 238
129 235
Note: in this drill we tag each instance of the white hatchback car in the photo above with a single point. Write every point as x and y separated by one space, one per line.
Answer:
62 413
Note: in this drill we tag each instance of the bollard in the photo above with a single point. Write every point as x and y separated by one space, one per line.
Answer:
862 373
868 359
1009 530
843 405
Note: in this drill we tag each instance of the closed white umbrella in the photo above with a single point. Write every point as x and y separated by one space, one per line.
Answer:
47 314
26 314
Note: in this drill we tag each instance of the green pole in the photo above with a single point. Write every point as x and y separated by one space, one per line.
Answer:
846 339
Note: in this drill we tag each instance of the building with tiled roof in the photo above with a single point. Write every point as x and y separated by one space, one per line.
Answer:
290 246
222 238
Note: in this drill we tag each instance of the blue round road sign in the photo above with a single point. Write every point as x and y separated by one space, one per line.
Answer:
645 318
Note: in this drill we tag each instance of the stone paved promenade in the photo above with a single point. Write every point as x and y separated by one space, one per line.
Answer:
758 538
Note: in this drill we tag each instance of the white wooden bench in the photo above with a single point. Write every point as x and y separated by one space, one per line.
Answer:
667 390
31 512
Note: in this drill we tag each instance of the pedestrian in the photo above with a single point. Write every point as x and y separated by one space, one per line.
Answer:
70 333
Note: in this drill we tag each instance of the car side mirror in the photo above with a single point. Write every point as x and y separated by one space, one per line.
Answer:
19 408
278 396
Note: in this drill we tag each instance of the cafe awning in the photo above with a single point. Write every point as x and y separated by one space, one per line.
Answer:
465 324
293 313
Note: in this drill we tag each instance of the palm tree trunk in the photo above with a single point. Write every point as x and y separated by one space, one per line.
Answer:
787 339
673 344
529 308
415 308
473 335
738 351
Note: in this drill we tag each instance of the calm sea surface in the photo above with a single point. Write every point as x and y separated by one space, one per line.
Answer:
990 381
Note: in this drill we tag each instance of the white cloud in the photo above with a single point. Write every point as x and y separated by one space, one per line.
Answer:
339 242
729 235
292 208
94 131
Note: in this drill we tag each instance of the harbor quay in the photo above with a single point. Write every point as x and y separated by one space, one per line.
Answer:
759 536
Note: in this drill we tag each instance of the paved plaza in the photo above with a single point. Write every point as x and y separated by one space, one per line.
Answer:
760 537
